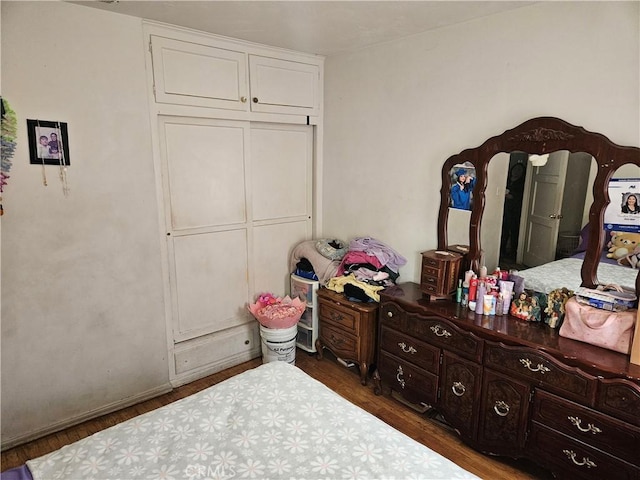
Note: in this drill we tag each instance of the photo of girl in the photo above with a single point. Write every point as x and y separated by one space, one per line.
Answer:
462 185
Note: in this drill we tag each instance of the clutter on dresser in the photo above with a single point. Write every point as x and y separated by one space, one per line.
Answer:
439 276
608 329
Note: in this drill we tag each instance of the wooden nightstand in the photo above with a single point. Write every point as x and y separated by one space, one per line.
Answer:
348 329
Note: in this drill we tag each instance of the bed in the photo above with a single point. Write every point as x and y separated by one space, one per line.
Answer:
566 273
273 421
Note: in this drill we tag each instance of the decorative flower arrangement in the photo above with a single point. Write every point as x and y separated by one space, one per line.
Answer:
277 312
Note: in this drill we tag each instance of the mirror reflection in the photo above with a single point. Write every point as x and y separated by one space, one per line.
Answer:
540 204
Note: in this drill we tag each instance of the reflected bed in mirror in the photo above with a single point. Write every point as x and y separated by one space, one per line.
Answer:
556 175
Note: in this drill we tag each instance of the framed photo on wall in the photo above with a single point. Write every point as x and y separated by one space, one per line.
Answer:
48 142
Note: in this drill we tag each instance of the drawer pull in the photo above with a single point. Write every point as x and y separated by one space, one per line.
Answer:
439 331
399 376
407 349
336 317
458 389
590 427
389 314
501 408
337 341
538 368
584 463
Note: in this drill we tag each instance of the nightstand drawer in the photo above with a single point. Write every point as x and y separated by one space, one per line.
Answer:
338 315
341 344
410 349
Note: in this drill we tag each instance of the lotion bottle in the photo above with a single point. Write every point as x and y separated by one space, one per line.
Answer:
480 293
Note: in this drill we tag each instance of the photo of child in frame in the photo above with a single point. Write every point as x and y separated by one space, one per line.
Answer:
48 144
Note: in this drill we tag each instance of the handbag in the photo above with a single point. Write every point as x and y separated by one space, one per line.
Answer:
603 328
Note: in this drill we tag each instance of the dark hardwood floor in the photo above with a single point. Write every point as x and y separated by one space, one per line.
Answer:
344 381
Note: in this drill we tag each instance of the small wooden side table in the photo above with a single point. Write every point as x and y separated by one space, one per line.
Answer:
348 329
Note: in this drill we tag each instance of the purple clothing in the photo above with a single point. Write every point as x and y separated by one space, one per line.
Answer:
387 256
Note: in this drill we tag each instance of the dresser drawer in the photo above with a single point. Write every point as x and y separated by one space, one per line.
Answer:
620 398
341 344
414 384
587 425
338 315
433 330
429 280
573 459
410 349
542 370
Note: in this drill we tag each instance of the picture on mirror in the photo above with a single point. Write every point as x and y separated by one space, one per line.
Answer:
463 179
622 213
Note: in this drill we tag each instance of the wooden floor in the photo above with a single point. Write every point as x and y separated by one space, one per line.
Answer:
344 381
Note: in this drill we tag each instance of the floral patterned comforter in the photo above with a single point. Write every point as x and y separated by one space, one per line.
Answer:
273 421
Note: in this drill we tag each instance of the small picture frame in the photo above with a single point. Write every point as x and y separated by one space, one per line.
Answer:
48 143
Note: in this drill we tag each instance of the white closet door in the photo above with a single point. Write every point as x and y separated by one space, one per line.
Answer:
210 279
281 171
204 172
271 248
281 165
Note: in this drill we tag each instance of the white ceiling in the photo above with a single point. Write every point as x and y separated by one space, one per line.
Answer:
321 27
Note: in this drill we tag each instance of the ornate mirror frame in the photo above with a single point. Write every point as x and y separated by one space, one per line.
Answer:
539 136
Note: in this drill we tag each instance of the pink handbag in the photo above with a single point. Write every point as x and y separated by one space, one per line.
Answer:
603 328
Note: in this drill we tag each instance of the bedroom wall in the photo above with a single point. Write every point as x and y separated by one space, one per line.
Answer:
83 322
395 112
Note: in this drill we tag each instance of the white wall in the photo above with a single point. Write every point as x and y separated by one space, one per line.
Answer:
395 112
83 320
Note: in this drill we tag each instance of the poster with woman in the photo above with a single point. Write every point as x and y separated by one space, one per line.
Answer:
623 212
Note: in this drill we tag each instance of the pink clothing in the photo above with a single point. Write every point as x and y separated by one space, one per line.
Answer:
358 257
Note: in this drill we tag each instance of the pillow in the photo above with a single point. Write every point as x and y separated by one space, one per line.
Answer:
583 245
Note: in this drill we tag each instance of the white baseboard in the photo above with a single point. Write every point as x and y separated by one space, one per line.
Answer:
69 422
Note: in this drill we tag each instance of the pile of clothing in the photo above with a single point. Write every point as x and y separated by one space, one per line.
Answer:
359 271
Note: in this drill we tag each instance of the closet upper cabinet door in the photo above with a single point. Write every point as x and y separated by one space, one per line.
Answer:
191 74
283 86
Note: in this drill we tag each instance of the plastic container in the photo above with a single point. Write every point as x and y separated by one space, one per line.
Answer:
279 344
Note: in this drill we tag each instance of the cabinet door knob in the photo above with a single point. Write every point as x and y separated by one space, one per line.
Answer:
255 99
458 389
399 376
501 408
389 314
243 99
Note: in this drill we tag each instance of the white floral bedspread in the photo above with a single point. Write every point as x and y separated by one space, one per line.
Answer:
566 273
272 422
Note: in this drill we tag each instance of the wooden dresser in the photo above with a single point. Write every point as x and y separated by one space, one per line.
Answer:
512 388
348 329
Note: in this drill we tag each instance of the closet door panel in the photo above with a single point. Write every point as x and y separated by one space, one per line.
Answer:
210 282
186 73
272 245
282 161
205 172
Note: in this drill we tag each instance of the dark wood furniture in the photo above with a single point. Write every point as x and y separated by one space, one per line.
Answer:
440 272
511 387
540 136
348 329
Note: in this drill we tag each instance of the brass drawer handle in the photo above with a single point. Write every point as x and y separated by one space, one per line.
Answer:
585 462
458 389
501 408
576 421
439 331
407 349
337 341
336 317
538 368
399 376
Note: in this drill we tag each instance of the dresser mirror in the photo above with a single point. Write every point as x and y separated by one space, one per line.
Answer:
543 141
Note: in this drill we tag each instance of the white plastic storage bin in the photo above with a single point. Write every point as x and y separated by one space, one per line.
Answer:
306 289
